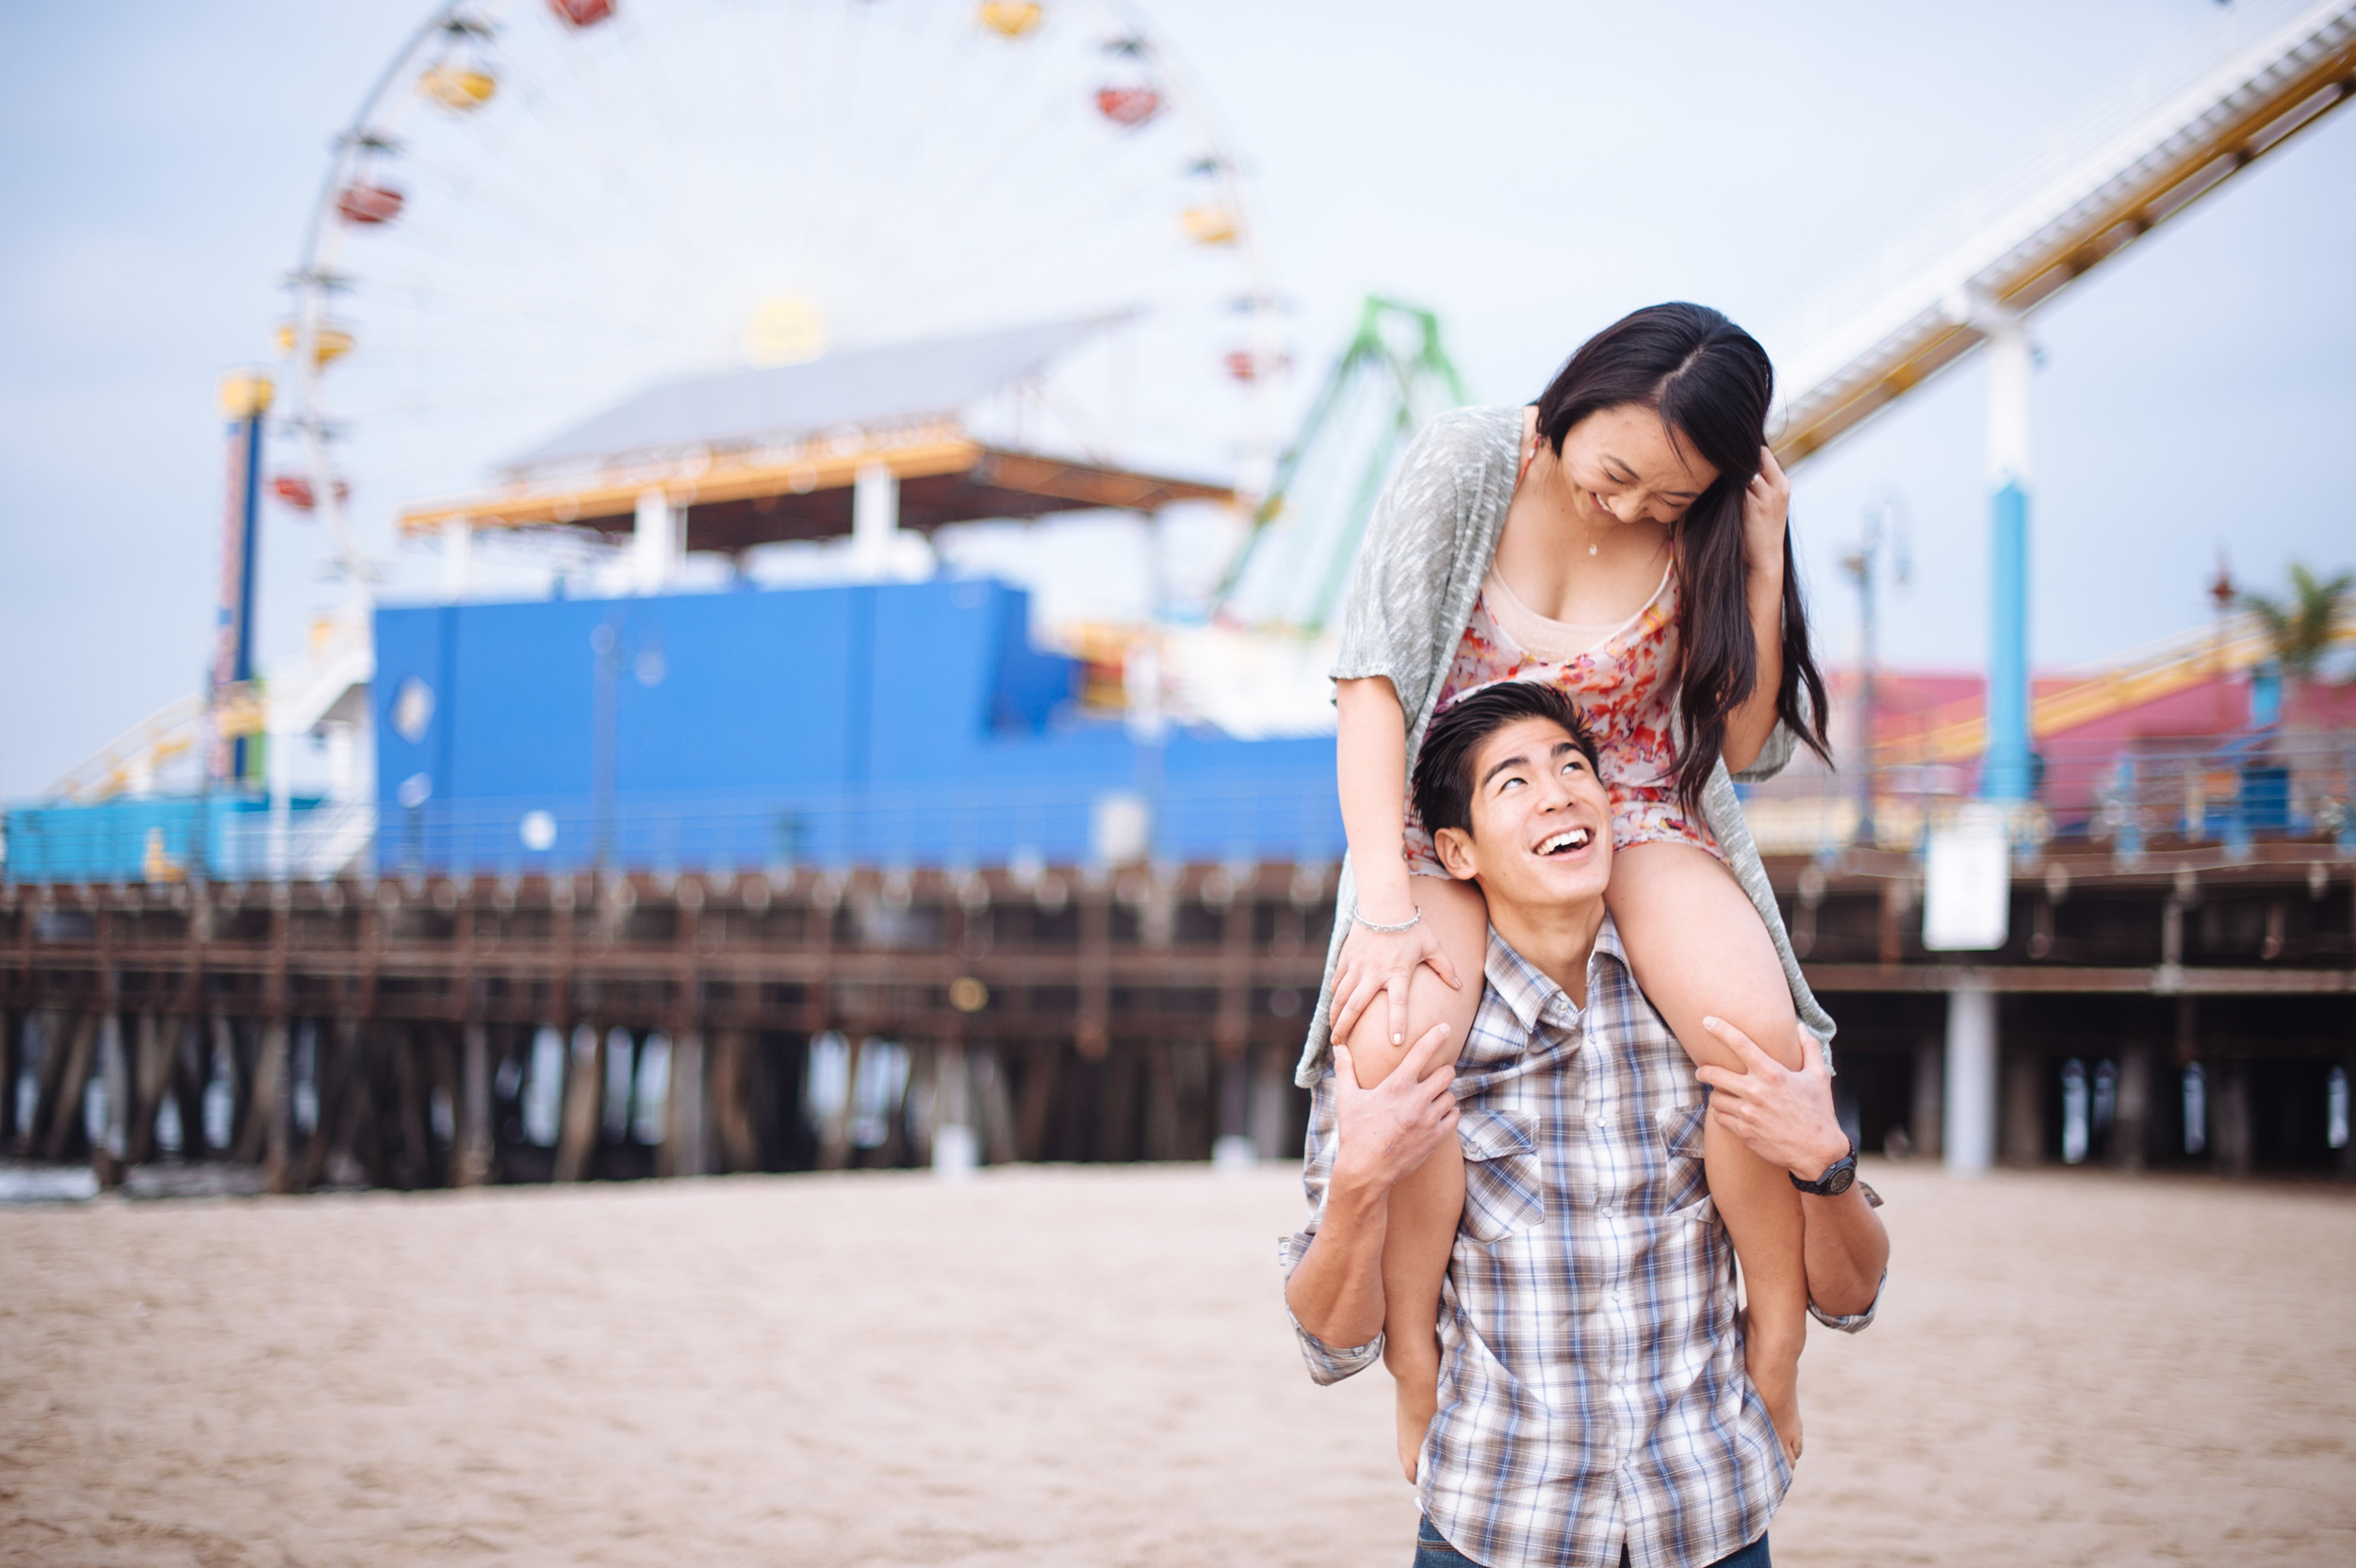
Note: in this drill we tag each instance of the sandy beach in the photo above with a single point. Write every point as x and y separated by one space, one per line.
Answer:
1082 1366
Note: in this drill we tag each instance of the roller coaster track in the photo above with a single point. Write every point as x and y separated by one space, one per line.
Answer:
2133 170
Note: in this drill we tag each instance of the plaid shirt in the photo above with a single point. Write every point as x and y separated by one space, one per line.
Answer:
1591 1391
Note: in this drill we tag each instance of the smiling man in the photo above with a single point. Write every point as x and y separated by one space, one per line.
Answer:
1592 1404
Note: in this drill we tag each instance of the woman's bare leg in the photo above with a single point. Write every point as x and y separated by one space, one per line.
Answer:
1700 951
1424 1208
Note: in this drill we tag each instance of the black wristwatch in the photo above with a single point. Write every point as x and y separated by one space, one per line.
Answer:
1836 1179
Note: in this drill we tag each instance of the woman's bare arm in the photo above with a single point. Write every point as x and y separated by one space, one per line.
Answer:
1765 506
1371 762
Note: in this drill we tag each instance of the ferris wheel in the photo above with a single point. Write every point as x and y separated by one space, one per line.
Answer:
543 205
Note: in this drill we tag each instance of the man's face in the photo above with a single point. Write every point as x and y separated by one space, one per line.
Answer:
1541 824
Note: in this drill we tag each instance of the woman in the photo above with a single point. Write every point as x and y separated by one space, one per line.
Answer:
1626 539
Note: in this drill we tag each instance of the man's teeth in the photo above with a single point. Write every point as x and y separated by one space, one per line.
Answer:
1575 839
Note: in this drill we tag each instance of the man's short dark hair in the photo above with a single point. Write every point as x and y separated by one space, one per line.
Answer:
1444 769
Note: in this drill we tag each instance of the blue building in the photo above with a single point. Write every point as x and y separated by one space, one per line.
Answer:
880 724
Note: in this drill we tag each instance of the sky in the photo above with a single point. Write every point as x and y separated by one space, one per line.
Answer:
1529 171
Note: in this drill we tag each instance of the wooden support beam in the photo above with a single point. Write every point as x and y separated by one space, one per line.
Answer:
471 1166
441 1073
57 1028
370 1101
733 1093
585 1104
65 1110
157 1040
1034 1123
1116 1103
335 1066
13 1027
993 1113
247 1125
114 1072
414 1167
1096 943
685 1139
1231 1032
189 1084
274 1107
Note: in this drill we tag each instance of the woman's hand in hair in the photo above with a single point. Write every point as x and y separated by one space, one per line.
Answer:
1766 505
1374 962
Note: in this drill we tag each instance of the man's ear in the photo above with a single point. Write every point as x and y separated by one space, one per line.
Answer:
1454 848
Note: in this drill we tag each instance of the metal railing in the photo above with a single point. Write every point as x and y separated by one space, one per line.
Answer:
2228 790
958 824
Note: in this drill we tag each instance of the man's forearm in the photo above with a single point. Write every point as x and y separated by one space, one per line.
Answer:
1336 1291
1846 1250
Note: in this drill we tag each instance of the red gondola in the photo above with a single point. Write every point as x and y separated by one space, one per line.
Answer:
582 13
1128 106
362 203
295 490
1246 367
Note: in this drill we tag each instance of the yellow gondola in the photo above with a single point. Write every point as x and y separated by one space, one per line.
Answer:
327 345
1011 18
1210 224
458 87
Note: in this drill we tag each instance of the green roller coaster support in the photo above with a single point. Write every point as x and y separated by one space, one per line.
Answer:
1396 362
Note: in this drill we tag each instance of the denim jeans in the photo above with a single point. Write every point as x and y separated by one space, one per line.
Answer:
1433 1551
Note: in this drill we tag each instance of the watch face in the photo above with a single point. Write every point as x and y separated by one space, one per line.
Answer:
1840 1177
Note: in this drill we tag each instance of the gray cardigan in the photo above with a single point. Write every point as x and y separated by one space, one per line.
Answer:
1418 574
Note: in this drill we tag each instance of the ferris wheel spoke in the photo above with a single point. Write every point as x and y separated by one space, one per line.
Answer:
636 194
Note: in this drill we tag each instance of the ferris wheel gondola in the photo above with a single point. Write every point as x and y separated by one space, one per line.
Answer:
540 208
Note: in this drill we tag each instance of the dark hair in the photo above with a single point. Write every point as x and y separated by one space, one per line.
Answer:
1444 768
1712 385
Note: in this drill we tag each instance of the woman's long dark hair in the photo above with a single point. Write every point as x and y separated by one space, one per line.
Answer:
1712 385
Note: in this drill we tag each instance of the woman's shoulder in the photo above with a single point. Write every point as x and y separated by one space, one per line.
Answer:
1456 460
1473 435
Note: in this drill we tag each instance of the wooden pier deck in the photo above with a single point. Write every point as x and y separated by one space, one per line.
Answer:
439 1031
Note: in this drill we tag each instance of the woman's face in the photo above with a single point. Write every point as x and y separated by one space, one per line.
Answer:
1621 466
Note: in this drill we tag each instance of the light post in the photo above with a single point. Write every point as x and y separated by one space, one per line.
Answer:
1885 525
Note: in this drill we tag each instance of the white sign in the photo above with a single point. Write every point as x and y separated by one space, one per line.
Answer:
1120 828
1967 882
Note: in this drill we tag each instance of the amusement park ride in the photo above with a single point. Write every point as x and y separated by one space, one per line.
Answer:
444 371
545 224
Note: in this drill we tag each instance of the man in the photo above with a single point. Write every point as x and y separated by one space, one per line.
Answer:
1592 1404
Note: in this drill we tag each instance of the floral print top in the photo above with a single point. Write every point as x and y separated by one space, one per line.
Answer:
1624 685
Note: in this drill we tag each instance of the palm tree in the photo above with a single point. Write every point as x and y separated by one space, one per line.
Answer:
2300 628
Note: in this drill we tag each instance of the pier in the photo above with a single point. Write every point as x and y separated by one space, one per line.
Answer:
2188 1011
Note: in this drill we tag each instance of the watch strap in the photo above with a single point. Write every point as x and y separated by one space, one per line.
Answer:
1831 1183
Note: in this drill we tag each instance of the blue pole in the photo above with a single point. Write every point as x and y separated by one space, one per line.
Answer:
2009 770
250 507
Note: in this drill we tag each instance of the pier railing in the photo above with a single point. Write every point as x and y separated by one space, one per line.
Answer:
2126 794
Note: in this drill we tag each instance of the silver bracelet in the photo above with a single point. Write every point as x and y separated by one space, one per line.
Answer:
1387 930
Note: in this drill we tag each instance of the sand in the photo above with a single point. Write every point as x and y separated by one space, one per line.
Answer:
1047 1367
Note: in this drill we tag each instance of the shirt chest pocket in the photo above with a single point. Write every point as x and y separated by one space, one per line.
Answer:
1503 1194
1683 1179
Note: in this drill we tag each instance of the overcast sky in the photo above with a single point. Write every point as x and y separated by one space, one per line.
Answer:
1531 171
